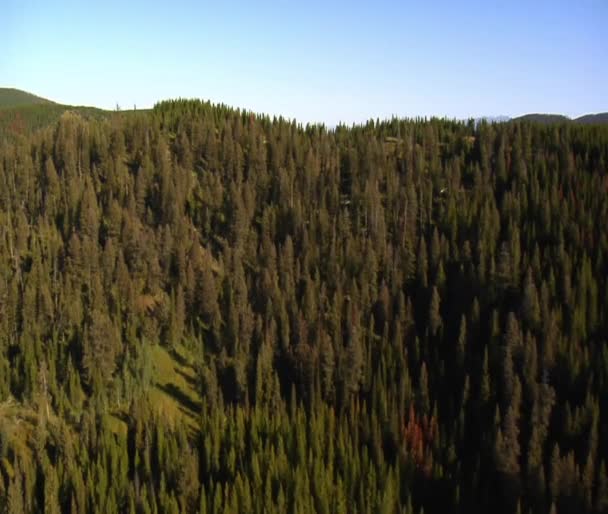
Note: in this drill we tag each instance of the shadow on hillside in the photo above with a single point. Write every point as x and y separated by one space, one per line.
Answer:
192 382
187 404
180 359
123 416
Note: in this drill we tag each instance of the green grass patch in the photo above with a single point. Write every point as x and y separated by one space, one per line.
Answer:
174 390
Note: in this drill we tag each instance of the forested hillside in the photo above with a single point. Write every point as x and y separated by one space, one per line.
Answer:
204 310
588 119
21 113
10 97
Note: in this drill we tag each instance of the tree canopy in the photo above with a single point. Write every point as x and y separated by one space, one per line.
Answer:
207 310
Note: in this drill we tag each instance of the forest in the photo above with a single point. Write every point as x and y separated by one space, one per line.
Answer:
206 310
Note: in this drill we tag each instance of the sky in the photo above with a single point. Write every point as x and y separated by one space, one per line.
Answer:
316 61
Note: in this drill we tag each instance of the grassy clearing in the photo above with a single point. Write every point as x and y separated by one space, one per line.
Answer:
173 394
174 391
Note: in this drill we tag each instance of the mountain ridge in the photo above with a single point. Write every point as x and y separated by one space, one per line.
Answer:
13 98
547 118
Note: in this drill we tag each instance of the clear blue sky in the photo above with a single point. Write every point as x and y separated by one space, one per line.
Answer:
314 60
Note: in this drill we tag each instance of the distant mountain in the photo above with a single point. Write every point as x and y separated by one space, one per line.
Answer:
601 117
560 118
543 118
10 98
492 119
21 111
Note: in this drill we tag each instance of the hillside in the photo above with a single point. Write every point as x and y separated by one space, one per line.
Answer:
543 118
20 121
593 118
546 119
10 97
22 113
207 310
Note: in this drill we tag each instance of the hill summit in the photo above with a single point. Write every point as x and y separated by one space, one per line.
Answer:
10 97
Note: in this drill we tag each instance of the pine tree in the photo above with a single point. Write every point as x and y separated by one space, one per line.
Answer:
530 302
435 321
15 495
